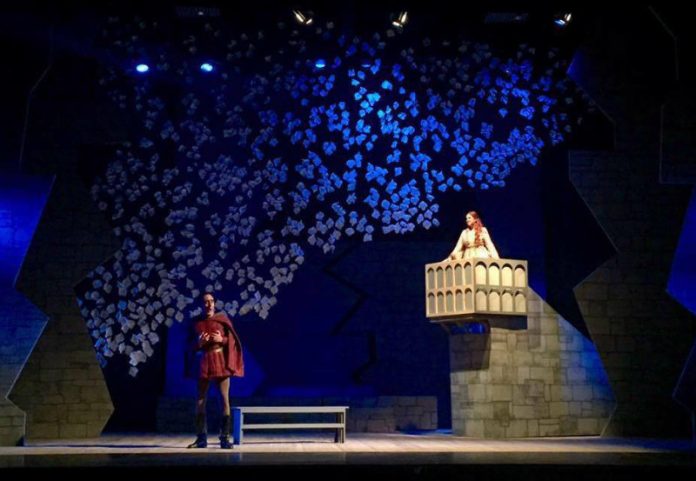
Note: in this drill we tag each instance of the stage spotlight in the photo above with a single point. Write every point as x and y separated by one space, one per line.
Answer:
401 21
301 18
563 19
142 68
320 63
207 67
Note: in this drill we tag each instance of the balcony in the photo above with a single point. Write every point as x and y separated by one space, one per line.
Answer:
478 289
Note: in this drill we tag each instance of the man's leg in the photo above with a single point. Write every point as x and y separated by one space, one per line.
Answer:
201 424
224 386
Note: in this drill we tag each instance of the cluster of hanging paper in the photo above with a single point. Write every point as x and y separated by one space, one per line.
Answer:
464 288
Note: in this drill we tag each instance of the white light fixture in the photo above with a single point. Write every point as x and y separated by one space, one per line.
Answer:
563 19
301 18
401 21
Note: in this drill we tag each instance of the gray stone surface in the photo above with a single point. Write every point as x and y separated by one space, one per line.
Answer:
12 424
21 325
62 377
533 384
642 334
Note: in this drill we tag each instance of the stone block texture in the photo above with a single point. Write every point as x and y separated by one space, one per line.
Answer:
21 325
62 388
642 334
545 380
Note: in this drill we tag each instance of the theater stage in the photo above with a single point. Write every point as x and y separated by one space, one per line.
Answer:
432 455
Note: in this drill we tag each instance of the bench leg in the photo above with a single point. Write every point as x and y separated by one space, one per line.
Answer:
337 434
237 431
340 436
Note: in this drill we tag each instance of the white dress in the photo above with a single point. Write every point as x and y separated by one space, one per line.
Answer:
466 247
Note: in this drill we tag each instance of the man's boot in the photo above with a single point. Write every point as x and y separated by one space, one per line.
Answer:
225 433
202 430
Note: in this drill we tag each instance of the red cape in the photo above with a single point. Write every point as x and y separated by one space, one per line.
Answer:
233 349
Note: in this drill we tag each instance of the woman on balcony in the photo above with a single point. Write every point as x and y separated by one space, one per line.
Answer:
474 241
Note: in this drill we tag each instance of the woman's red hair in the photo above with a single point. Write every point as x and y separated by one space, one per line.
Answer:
478 226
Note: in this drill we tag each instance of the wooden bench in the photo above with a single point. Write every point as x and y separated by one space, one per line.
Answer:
240 426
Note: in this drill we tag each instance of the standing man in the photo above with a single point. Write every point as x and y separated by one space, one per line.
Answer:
220 358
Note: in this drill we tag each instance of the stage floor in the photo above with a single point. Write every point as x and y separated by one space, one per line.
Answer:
432 455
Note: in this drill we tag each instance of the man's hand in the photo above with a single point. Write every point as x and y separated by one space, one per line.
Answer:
217 336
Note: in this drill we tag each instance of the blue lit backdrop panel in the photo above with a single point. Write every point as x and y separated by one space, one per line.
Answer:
682 279
22 199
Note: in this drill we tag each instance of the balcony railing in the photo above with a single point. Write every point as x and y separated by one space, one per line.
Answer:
475 287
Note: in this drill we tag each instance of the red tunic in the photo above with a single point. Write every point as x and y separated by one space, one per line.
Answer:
219 359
